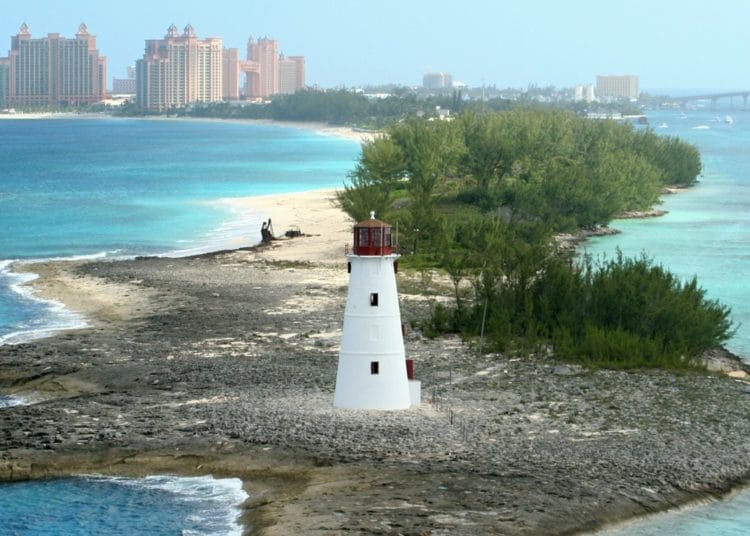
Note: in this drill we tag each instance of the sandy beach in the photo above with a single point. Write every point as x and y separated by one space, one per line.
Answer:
324 129
225 364
327 229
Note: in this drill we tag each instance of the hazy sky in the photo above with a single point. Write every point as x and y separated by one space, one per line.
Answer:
509 43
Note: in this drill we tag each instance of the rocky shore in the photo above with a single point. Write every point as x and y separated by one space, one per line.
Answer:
226 363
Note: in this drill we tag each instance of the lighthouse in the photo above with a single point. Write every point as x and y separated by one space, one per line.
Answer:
372 370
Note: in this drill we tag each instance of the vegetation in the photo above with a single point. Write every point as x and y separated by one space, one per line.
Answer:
333 106
617 313
339 106
524 165
480 198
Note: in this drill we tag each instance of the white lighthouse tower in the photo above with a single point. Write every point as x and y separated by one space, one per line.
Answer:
372 371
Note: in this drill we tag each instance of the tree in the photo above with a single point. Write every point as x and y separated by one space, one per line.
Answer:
431 151
378 172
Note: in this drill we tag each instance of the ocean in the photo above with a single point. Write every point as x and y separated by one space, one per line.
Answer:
723 518
116 188
155 505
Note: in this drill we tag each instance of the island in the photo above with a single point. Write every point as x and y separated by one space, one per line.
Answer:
225 364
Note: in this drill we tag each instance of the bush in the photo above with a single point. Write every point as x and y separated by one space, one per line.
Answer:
638 297
614 348
621 313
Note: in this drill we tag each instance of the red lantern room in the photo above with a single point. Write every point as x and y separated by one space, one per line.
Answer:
373 237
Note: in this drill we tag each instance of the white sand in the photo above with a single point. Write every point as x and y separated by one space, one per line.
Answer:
329 130
101 303
327 228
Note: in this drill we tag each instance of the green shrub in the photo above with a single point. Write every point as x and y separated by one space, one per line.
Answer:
619 313
614 348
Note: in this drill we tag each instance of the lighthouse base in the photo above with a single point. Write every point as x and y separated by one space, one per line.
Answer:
415 392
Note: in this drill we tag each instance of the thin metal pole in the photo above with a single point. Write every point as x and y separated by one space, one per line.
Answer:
481 333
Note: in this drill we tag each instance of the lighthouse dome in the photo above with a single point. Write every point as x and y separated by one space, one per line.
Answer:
373 237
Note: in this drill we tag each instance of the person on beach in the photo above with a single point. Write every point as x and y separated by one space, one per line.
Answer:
266 232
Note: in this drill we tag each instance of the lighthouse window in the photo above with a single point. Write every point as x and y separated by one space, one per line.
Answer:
374 367
363 238
376 237
387 238
374 299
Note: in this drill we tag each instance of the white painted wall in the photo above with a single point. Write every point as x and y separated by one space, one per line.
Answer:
372 333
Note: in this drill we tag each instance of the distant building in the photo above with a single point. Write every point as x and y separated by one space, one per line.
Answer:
127 85
617 86
437 81
52 71
584 93
179 70
4 81
123 86
266 72
265 53
291 74
230 84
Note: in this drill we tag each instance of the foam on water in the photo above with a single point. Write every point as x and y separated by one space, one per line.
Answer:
241 228
9 401
47 316
153 505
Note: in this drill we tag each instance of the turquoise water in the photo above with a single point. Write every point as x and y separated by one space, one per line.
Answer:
158 505
725 518
706 234
122 187
707 231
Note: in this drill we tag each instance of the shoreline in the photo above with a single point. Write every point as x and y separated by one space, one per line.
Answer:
323 129
224 363
307 212
254 208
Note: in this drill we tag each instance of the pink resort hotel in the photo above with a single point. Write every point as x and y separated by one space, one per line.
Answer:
181 69
175 71
52 71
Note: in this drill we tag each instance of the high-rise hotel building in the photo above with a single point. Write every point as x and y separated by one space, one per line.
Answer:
265 52
182 69
52 70
267 72
179 70
231 74
4 82
291 73
617 86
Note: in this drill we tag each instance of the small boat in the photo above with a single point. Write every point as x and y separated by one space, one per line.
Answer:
664 125
728 119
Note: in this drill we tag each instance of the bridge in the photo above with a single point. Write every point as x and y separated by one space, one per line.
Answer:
714 97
